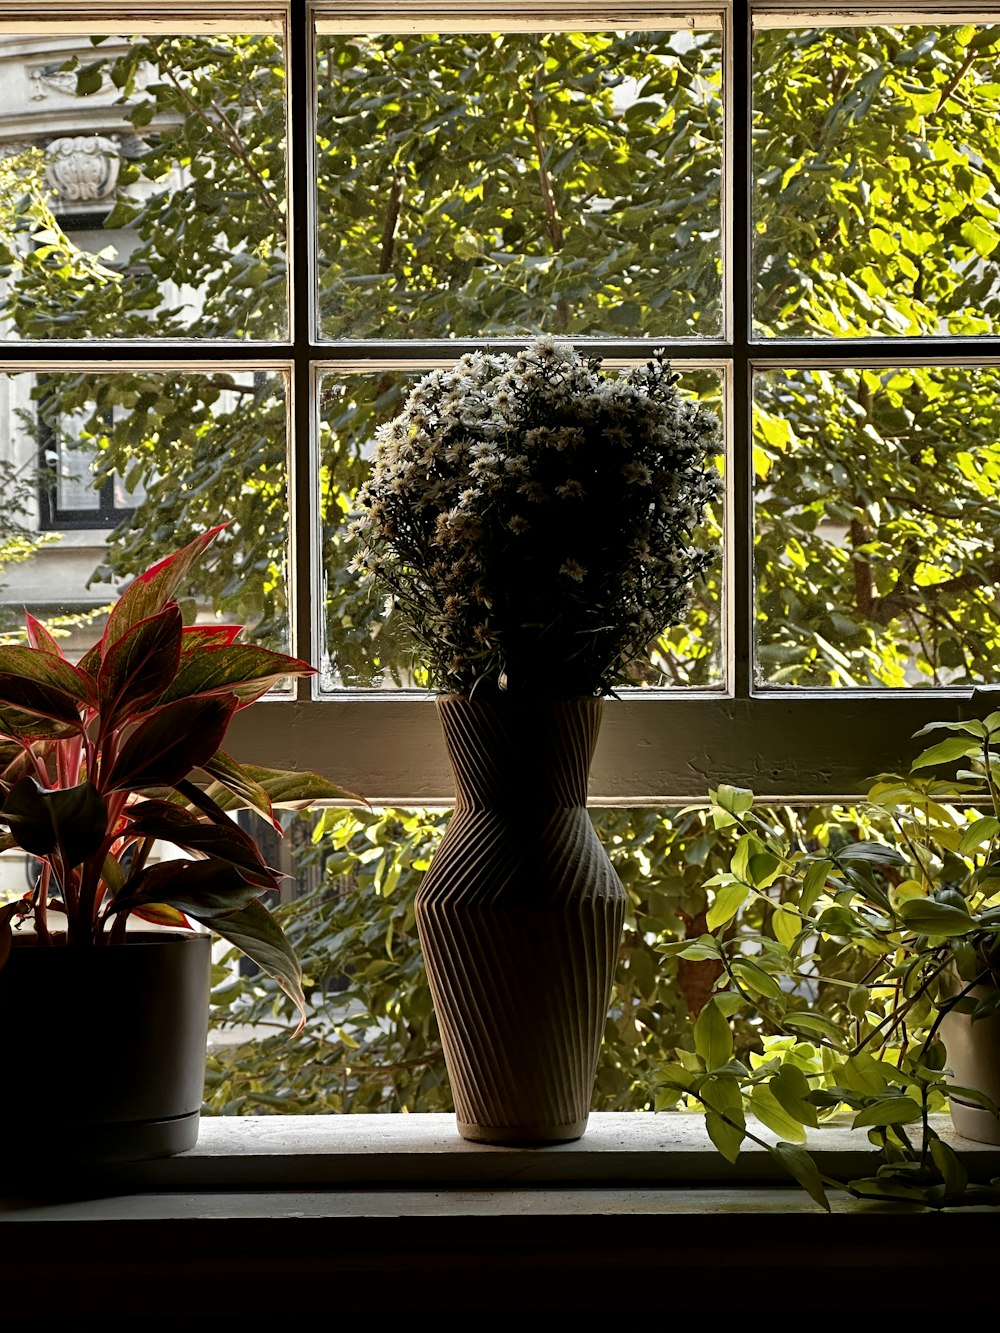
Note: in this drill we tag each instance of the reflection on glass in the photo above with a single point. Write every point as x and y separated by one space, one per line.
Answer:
143 195
365 643
164 457
875 161
877 512
505 184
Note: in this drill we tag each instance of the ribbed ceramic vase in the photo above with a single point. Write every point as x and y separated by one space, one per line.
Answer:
520 917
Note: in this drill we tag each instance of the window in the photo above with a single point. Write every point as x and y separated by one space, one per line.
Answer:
281 214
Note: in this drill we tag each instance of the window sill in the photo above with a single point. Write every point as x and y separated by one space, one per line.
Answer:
329 1206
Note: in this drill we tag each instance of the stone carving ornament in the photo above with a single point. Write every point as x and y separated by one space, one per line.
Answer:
83 168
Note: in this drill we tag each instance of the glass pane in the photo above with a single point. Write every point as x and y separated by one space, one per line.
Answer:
876 207
74 455
877 512
507 184
144 196
189 451
365 643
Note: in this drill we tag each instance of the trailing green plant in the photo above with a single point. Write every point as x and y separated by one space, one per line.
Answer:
100 760
862 948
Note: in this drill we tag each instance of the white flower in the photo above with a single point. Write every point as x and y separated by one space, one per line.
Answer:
572 569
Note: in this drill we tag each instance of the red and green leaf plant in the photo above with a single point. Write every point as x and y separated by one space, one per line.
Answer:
102 759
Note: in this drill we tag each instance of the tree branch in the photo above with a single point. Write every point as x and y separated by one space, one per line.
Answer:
391 224
231 139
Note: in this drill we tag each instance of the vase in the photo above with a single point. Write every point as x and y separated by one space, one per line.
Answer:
520 917
974 1060
105 1053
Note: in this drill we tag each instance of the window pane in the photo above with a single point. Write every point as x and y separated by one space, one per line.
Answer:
505 184
876 206
365 643
877 512
188 451
144 196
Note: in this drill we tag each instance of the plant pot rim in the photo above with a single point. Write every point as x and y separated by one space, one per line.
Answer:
134 938
527 696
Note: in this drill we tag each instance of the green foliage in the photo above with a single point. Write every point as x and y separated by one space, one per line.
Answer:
875 206
848 956
477 185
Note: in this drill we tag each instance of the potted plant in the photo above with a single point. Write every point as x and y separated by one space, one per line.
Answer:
532 517
867 956
99 761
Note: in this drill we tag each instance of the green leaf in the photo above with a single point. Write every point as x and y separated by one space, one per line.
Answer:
726 1137
817 1025
893 1110
770 1112
728 901
791 1088
934 918
757 980
72 820
89 79
953 1173
763 869
734 800
945 752
786 925
858 1001
876 852
978 233
801 1167
979 831
235 789
296 790
713 1039
254 931
729 1002
813 883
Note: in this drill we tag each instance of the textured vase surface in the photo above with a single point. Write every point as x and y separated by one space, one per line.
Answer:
520 917
974 1060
